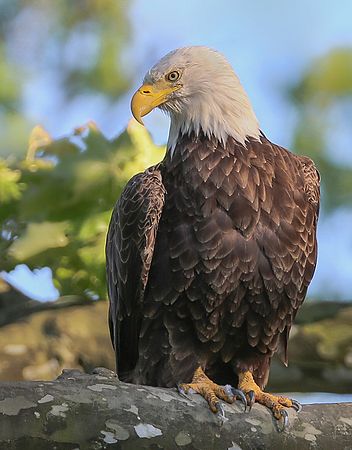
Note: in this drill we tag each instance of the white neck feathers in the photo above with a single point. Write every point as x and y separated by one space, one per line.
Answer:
226 112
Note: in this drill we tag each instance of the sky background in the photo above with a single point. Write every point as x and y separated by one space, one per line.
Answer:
269 44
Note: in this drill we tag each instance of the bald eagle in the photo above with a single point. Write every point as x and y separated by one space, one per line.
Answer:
211 251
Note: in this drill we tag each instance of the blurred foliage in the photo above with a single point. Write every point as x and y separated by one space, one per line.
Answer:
56 203
10 189
75 47
324 100
56 198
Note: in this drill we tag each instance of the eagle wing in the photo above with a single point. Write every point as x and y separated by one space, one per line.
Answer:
289 244
129 252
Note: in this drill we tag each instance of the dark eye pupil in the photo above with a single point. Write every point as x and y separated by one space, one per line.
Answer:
173 76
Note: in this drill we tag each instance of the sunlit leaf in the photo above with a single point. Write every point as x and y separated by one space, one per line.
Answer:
39 237
94 225
82 129
38 138
10 188
143 143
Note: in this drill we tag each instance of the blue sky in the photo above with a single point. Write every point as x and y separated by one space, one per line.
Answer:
269 43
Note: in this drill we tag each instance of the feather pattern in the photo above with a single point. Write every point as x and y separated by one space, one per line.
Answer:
209 257
129 252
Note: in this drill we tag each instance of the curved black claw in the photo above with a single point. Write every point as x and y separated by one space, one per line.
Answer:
220 413
181 391
296 405
251 399
237 393
282 423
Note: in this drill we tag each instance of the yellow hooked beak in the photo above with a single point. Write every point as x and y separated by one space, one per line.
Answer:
148 97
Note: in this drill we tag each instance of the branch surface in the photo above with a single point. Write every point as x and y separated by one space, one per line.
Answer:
80 411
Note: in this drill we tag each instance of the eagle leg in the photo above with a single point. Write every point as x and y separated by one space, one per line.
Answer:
211 392
276 403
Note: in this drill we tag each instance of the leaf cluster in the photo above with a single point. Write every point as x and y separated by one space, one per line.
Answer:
56 203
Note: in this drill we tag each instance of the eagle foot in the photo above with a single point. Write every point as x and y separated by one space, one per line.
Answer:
211 392
276 403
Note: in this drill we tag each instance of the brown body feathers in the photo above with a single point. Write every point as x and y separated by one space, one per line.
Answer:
209 256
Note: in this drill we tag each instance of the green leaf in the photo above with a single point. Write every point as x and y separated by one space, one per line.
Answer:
38 139
39 237
10 188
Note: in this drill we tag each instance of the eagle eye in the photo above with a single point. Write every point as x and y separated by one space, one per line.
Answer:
173 76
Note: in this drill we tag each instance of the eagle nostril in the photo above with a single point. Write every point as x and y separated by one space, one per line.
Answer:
145 91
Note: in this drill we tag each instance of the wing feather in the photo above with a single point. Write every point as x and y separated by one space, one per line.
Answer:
288 239
129 252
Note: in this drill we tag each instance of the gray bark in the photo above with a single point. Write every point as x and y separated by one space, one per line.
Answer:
79 411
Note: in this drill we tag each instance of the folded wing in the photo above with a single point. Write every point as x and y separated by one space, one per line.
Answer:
129 251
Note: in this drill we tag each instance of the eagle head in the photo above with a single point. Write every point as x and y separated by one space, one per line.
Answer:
200 91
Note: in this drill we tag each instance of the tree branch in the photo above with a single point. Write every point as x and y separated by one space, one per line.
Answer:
97 412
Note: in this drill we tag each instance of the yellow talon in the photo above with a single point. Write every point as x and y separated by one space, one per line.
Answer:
209 390
276 403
